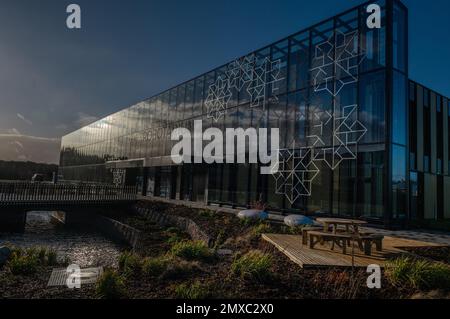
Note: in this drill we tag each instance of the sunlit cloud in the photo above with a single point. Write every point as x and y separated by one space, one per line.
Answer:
85 119
16 147
13 131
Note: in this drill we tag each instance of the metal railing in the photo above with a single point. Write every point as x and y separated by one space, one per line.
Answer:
15 192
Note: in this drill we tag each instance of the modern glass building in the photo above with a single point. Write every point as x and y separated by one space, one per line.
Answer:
357 137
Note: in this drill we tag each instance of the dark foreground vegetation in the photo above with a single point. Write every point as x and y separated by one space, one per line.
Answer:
237 265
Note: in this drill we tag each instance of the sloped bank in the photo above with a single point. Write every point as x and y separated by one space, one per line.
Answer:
158 213
119 231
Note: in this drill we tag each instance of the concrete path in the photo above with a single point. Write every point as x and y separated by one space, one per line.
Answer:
430 236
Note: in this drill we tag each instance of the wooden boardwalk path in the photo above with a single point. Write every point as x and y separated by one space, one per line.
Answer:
323 256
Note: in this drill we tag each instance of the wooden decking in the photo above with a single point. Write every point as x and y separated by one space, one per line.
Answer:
323 256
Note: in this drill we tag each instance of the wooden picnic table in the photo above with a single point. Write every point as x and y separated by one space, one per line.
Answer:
335 222
342 239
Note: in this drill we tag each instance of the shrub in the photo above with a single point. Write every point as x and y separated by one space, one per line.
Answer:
295 230
192 250
207 214
174 238
173 230
248 221
42 253
110 285
220 239
155 266
260 229
52 257
23 263
129 263
418 274
338 284
175 235
192 291
255 265
179 269
31 251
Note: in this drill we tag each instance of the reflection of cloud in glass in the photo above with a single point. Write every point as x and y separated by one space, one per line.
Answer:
14 147
20 116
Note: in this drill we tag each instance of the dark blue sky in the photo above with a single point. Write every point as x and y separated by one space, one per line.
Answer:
54 80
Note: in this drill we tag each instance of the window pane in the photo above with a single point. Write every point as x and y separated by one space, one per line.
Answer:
299 62
399 38
372 106
373 42
399 187
399 115
279 57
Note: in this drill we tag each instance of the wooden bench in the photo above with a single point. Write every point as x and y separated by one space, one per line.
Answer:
367 241
307 229
339 239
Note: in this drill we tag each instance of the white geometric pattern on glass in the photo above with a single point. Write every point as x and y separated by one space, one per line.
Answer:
334 133
249 73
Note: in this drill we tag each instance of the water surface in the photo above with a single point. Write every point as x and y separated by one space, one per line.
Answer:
83 247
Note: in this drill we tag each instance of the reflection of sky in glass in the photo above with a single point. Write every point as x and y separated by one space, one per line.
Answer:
399 110
398 164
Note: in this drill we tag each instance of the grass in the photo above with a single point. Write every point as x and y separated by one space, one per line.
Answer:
206 213
52 258
192 250
23 263
47 256
260 229
169 267
195 290
155 267
110 285
220 239
418 274
175 235
42 253
129 263
249 221
180 269
254 265
27 261
296 230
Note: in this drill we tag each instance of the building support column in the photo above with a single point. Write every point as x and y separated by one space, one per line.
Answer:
12 220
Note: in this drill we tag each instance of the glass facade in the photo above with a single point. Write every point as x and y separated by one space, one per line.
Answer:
429 139
338 89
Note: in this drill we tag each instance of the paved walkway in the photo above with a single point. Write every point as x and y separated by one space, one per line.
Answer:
430 236
420 235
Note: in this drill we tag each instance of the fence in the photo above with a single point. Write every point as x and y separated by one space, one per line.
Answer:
13 192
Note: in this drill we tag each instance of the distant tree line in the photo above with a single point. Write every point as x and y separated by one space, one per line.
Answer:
11 170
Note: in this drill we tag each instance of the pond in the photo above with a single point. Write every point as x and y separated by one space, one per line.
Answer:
83 247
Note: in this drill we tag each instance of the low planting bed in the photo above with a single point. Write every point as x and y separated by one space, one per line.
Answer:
238 264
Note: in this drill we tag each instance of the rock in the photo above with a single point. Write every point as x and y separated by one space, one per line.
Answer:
5 252
224 252
253 214
297 220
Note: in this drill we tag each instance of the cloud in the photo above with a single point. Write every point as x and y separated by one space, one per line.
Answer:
20 116
17 143
62 126
13 131
85 119
16 147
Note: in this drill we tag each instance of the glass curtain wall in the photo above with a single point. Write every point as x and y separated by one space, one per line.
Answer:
279 87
